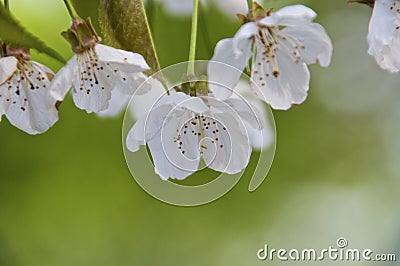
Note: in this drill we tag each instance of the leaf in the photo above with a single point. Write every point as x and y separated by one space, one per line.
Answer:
125 26
13 33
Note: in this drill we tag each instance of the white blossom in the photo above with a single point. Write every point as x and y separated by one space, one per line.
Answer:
24 94
384 34
180 130
95 73
280 44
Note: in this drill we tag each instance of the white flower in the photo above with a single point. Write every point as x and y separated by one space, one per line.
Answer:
180 130
281 44
24 97
384 34
95 73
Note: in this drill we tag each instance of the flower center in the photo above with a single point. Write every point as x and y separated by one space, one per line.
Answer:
201 126
266 41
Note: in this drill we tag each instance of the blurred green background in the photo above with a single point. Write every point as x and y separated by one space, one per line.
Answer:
67 197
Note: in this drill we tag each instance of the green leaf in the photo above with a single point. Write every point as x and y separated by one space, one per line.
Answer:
125 26
13 33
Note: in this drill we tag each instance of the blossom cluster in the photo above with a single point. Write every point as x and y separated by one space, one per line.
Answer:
208 119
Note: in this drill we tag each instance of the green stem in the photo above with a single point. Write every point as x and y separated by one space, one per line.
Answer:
204 29
6 4
71 10
193 38
250 4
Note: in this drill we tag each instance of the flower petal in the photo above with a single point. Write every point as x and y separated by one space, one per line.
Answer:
180 149
284 88
91 100
130 82
116 105
125 61
384 35
143 102
225 72
311 41
227 148
294 15
136 136
64 79
8 65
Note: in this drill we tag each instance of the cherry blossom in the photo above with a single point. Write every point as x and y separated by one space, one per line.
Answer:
181 129
280 45
24 92
96 70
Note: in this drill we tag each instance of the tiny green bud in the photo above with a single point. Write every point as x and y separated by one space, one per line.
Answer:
81 35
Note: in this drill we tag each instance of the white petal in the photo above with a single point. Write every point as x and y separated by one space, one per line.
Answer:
228 149
136 136
225 72
291 85
124 60
294 15
94 82
5 90
163 166
182 100
91 98
383 35
142 103
147 126
130 82
8 65
64 79
260 139
311 41
244 110
242 37
116 105
179 155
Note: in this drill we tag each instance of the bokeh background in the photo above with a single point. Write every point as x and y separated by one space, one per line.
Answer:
67 197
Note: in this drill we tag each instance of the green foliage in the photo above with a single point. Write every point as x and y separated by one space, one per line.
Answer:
13 33
124 25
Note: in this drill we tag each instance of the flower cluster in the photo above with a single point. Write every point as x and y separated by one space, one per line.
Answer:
218 119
